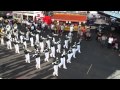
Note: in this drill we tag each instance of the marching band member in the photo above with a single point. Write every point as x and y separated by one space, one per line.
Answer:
9 35
48 42
37 38
27 56
24 43
52 51
55 67
53 39
2 39
79 47
36 48
66 42
8 42
70 36
21 37
16 47
70 53
13 37
37 58
74 50
27 35
62 59
31 40
41 45
46 54
59 46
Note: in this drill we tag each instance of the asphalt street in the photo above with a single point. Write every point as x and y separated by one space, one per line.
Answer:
103 63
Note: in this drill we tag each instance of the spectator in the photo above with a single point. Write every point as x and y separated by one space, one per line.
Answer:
88 35
103 40
110 41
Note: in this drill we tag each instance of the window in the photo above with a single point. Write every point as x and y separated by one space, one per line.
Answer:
24 17
30 18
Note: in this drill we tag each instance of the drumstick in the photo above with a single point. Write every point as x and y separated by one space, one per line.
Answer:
89 69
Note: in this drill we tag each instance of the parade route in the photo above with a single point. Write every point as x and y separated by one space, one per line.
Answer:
104 62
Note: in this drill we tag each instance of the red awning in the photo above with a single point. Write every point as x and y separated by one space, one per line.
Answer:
69 17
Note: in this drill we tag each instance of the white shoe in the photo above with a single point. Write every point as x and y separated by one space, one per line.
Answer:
65 68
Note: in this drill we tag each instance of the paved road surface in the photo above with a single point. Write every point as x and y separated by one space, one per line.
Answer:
104 63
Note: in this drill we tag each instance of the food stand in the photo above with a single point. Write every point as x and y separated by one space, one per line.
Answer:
70 17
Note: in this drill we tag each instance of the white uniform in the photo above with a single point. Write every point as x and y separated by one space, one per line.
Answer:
70 37
53 40
52 51
69 56
27 57
2 41
31 41
9 46
21 38
38 62
37 38
62 62
71 28
48 43
41 45
9 36
16 34
16 48
110 40
25 44
74 51
55 67
27 35
58 48
79 47
46 55
66 43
